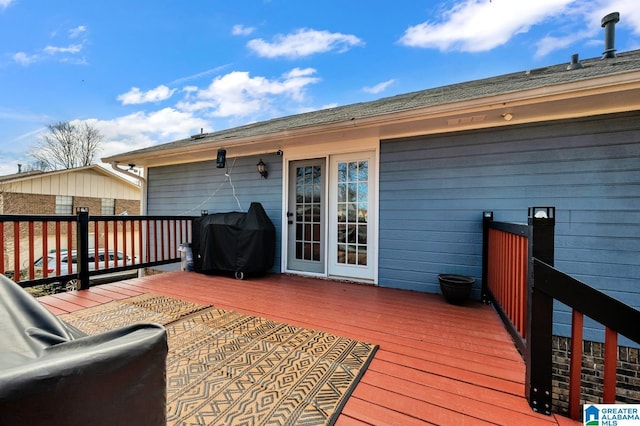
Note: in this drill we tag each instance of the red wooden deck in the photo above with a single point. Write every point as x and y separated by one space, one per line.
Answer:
437 363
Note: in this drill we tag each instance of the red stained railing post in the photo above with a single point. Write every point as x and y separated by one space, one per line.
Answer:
31 250
610 365
16 251
124 242
58 265
105 224
115 243
575 366
96 243
69 248
45 247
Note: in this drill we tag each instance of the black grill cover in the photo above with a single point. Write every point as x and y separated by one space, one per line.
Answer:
53 374
234 242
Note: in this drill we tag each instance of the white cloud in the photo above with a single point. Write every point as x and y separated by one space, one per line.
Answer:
56 50
5 3
135 96
144 129
380 87
199 75
241 30
68 54
237 94
24 58
304 42
550 43
480 25
77 31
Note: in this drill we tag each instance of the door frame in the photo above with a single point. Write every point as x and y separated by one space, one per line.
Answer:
326 151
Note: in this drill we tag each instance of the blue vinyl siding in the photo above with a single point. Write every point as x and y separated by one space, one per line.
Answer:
433 191
187 189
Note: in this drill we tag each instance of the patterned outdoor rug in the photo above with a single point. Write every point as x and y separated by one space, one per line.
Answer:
227 368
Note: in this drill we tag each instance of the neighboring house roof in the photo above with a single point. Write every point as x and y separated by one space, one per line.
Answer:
599 86
89 181
21 175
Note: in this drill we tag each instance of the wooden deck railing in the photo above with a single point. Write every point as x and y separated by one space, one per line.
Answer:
616 317
506 275
35 247
520 281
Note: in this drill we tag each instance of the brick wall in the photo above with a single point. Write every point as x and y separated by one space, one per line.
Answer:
29 203
14 203
93 204
628 374
130 206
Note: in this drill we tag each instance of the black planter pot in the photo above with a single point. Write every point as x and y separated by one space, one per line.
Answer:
455 288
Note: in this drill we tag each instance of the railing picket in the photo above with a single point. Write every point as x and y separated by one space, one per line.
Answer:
174 243
148 239
133 243
31 252
70 269
575 365
2 247
124 242
45 248
96 241
141 247
163 230
16 251
610 365
115 243
105 224
58 265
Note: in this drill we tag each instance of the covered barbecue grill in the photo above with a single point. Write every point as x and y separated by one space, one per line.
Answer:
243 243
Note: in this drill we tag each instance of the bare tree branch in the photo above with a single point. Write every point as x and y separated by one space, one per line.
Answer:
67 146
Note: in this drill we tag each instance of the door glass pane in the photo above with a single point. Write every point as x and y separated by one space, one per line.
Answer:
308 212
352 212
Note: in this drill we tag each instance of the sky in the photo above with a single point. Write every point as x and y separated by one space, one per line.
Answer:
149 72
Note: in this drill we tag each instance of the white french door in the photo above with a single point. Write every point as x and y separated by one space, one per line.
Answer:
335 238
306 216
351 236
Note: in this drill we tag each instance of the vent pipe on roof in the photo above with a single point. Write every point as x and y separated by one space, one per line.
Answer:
609 25
575 62
19 168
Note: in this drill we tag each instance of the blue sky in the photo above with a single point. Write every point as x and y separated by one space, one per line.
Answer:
149 72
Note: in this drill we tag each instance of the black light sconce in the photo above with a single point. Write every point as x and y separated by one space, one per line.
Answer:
221 158
262 169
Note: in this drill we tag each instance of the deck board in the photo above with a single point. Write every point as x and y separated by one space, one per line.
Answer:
437 363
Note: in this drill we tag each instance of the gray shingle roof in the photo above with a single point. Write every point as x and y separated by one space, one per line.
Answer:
504 84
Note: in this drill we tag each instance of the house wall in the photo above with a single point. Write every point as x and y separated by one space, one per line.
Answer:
434 189
15 203
86 183
187 189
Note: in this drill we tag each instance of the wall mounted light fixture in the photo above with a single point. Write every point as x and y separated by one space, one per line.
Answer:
262 169
221 158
